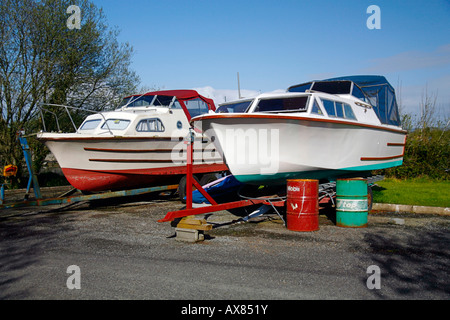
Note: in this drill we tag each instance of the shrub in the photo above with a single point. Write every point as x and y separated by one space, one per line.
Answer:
427 154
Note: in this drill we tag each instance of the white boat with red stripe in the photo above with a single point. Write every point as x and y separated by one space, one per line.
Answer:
139 144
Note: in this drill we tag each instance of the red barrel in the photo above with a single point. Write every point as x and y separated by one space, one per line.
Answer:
302 212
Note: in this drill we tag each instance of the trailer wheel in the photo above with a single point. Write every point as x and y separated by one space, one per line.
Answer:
182 188
209 177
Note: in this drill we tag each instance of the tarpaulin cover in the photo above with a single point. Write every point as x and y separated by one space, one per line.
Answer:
377 90
182 95
381 96
221 188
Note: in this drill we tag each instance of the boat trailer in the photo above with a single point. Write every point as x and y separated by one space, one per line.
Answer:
187 224
67 197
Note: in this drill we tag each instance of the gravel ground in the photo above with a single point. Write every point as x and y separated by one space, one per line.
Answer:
122 252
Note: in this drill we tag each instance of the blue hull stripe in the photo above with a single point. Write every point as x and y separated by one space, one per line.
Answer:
280 178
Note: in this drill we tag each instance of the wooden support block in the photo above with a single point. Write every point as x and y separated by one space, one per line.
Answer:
190 222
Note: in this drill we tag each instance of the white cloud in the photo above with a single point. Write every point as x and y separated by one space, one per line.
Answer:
411 60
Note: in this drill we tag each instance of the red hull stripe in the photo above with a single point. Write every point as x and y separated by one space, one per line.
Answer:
132 160
141 160
136 150
380 158
203 168
128 150
390 144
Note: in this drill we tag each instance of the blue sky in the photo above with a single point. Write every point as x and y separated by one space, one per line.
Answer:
275 44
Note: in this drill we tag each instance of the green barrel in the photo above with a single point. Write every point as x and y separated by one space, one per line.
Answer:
351 203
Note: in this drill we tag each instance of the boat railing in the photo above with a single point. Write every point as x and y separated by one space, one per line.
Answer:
41 109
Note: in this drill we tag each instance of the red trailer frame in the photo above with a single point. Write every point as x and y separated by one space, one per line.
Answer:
190 181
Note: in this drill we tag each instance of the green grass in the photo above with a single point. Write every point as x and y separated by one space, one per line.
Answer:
420 192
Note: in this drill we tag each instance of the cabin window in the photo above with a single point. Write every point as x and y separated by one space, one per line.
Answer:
90 124
163 101
357 92
333 87
295 104
147 101
339 109
348 112
176 105
138 101
301 87
150 125
234 107
116 124
329 107
316 109
196 107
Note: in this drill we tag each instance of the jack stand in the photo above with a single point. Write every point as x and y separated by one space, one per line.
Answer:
33 177
2 194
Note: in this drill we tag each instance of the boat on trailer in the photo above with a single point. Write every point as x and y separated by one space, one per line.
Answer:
329 129
139 144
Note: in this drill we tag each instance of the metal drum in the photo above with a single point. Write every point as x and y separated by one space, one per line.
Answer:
302 212
351 203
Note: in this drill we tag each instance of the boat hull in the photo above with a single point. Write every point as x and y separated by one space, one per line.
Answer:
116 163
269 149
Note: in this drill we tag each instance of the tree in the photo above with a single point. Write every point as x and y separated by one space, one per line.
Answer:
43 61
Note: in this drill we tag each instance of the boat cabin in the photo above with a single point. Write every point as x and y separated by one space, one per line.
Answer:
368 99
157 113
315 105
373 90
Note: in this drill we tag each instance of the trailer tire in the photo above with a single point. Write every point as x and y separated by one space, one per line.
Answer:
209 177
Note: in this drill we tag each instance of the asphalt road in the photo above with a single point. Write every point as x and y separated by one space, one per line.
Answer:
122 252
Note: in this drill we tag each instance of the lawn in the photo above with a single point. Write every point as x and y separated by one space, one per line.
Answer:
420 192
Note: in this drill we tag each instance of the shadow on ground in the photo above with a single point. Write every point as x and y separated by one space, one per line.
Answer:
412 266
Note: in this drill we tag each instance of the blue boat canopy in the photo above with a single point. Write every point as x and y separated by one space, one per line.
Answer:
375 90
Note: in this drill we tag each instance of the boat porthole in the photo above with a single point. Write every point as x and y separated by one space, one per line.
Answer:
179 125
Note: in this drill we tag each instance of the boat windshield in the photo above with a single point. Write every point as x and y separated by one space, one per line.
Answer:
90 124
292 104
115 124
234 107
150 100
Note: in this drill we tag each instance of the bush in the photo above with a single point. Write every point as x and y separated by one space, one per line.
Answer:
427 154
